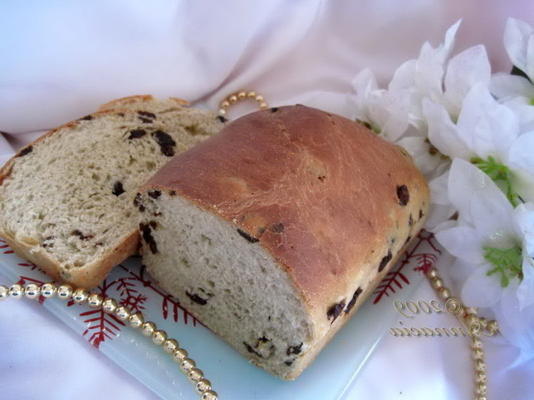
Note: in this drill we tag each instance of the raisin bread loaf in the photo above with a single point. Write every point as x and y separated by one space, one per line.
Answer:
66 200
274 232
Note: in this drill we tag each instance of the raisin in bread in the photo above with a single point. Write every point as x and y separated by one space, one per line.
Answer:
66 200
274 232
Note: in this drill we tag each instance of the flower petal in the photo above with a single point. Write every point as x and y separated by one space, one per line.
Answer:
516 324
462 242
442 132
521 153
505 86
460 270
516 41
464 70
481 290
445 49
492 215
439 217
419 148
524 220
525 290
363 84
523 110
466 182
438 189
487 127
404 77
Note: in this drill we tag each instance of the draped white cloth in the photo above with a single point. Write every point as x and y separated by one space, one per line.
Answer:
60 60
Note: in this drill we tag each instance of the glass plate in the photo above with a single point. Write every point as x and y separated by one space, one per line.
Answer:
233 377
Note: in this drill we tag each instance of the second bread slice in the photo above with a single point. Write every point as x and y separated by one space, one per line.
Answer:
66 200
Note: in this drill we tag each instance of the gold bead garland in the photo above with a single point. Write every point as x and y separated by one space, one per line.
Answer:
241 96
475 325
136 320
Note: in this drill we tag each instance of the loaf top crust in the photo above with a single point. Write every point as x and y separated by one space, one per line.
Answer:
323 194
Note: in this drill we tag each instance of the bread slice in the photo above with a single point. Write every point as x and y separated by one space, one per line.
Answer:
275 231
66 200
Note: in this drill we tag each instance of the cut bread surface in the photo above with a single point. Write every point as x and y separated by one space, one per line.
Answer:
66 201
226 279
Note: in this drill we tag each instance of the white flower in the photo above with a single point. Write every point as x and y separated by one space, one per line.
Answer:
433 76
488 133
494 245
517 92
385 112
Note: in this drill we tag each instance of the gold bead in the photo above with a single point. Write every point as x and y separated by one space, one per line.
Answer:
187 364
473 323
481 389
16 291
263 105
471 311
437 283
476 344
251 94
480 377
158 337
136 320
94 300
209 395
122 313
64 292
225 104
148 328
492 327
478 354
195 374
109 305
170 346
80 296
433 273
241 95
179 355
259 98
222 112
480 366
444 293
232 99
454 306
48 290
32 291
203 385
4 292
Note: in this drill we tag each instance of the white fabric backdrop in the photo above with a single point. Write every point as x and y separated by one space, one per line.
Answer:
60 60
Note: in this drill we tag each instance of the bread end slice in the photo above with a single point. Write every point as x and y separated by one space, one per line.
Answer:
66 200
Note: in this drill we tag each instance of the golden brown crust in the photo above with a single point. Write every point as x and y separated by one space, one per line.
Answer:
88 276
318 191
126 101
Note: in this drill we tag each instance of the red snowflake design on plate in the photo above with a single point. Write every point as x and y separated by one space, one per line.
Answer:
4 247
397 280
167 302
101 326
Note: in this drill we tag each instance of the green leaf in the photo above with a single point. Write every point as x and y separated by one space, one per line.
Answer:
508 263
500 174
